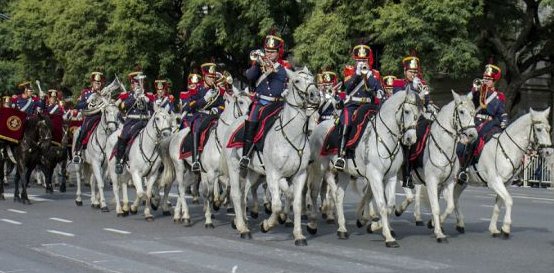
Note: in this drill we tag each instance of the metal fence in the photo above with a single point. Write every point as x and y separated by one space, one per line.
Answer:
536 172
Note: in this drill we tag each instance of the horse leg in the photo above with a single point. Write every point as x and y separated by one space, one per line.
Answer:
178 211
255 207
2 175
432 192
17 178
493 229
49 173
299 182
328 209
409 199
460 225
237 191
63 170
417 205
24 185
343 180
207 190
140 195
273 182
78 200
94 203
289 195
125 194
183 186
508 202
150 181
448 194
364 209
314 184
165 203
98 173
376 185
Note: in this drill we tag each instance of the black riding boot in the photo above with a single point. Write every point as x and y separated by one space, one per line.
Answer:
466 159
407 181
78 147
340 163
248 139
120 154
195 162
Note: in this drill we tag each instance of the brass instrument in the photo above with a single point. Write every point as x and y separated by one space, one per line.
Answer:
364 69
477 83
259 57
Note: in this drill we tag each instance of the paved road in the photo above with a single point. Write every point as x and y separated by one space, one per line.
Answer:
53 235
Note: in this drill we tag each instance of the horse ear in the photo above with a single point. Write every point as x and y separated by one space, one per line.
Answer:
456 96
470 96
546 113
290 74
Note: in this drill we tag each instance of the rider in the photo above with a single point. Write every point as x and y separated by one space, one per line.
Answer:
388 84
26 101
6 101
54 106
208 103
412 82
490 118
163 99
363 89
138 106
330 91
269 77
88 94
194 81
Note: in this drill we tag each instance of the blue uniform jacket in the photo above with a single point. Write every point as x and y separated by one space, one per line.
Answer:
272 86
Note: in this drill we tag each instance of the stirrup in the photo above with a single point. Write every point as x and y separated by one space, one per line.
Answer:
408 182
119 168
339 164
244 162
77 159
195 166
462 178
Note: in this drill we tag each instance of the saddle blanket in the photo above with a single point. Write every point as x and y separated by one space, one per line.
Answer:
423 130
205 127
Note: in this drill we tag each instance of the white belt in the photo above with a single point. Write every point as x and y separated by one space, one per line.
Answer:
268 98
483 117
326 117
204 111
138 117
359 99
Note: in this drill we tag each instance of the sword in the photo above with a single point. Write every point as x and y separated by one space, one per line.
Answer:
40 92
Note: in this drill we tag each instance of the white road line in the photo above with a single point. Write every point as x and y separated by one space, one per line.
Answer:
117 231
31 197
60 233
487 206
61 220
542 202
10 221
534 198
485 219
17 211
85 194
165 252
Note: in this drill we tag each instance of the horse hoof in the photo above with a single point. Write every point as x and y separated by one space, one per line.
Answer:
393 234
397 213
233 225
26 201
460 229
505 235
79 203
281 221
246 235
301 242
153 206
216 207
166 213
195 202
343 235
230 210
430 225
419 223
304 217
187 223
324 215
175 221
254 214
375 219
2 197
62 188
262 228
94 206
149 219
133 211
359 223
368 229
392 244
120 214
312 231
210 225
105 209
330 221
496 235
442 240
267 209
289 224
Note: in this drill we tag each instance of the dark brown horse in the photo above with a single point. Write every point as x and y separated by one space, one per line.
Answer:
37 136
56 154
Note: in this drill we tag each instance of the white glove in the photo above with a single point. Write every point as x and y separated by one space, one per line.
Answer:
416 82
209 95
328 96
214 111
369 74
92 97
359 68
379 94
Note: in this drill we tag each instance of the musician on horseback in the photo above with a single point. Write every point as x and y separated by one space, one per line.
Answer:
162 98
208 103
268 76
330 90
91 118
54 106
490 118
139 107
26 101
388 85
413 81
363 91
186 98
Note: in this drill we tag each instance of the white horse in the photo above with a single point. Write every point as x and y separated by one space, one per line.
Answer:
378 158
143 164
500 162
285 156
94 156
453 123
175 168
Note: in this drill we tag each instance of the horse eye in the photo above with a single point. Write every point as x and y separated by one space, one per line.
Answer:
462 112
296 81
406 112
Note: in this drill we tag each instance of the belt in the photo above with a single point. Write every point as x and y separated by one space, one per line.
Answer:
138 117
483 117
268 98
326 117
204 111
359 99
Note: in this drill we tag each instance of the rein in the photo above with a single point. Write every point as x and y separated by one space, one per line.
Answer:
155 155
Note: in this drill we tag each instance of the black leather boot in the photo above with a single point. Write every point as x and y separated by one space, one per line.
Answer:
340 163
195 162
407 181
466 158
120 154
249 131
78 146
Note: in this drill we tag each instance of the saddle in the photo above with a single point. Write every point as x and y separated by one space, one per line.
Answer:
205 127
423 130
128 146
266 117
360 119
486 130
89 133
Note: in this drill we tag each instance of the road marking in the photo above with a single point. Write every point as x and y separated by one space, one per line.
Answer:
10 221
60 233
487 206
86 194
165 252
31 197
485 219
61 220
117 231
542 202
534 198
17 211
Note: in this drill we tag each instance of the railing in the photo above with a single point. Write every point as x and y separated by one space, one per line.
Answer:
536 172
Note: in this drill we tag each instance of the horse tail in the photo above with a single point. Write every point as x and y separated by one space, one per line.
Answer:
168 175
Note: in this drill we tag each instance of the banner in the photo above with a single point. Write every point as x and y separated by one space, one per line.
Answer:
57 128
12 123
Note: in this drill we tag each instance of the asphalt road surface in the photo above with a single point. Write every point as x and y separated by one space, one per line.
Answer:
53 235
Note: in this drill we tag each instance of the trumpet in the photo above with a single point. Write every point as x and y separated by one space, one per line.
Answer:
477 83
364 69
259 57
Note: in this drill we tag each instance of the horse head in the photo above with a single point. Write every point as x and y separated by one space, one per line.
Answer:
110 117
238 100
44 132
162 122
540 131
302 91
407 118
464 121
